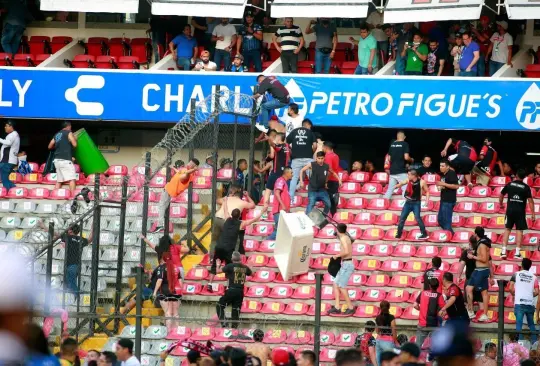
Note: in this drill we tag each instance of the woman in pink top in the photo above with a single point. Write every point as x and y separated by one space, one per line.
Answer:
513 352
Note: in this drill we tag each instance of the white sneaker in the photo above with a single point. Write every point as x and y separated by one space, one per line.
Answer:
472 314
518 254
483 318
503 253
261 128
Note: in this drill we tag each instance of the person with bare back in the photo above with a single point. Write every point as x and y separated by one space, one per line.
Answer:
259 349
342 278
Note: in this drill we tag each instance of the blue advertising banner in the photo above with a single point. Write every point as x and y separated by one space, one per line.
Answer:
333 100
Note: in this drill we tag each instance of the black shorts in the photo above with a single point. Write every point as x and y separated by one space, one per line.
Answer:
225 256
517 219
462 165
272 180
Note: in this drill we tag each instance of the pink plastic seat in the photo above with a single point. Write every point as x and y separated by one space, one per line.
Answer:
480 192
360 177
401 281
450 252
381 250
39 193
378 280
350 188
496 222
431 178
296 308
415 266
397 296
32 178
275 336
372 188
499 181
344 217
369 265
179 333
356 203
474 221
305 292
404 250
387 219
374 295
373 234
378 204
251 307
17 193
380 177
466 207
390 265
299 337
361 249
366 311
203 334
489 208
263 276
272 308
258 291
461 237
439 236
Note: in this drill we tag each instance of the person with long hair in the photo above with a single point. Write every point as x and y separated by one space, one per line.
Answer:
164 292
386 329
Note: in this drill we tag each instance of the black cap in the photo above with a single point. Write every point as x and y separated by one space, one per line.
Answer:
411 348
249 13
459 35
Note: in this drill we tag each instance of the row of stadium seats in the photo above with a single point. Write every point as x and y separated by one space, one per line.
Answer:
23 59
140 48
43 44
104 62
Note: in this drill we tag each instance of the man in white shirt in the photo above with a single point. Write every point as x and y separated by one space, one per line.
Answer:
124 353
500 48
224 35
8 153
293 119
204 64
524 287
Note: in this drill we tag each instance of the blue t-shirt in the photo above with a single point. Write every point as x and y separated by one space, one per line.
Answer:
249 42
184 46
467 55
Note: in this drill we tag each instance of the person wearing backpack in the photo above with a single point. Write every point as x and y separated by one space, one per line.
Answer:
366 343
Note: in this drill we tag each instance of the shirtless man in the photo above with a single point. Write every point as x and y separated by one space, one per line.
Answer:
479 280
234 201
342 278
258 349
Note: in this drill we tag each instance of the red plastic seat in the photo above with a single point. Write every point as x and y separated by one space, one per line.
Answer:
440 236
318 248
397 296
369 265
257 260
410 313
462 191
380 177
361 249
251 307
499 181
392 266
372 188
202 183
305 67
364 218
327 354
474 221
119 46
345 339
261 229
17 178
480 192
378 204
267 246
305 292
327 338
404 250
489 208
401 281
493 316
430 220
178 333
506 269
378 280
296 308
532 239
373 234
418 282
357 279
431 178
38 59
17 192
356 203
39 44
299 337
83 61
397 204
367 311
414 235
117 170
327 293
281 292
196 274
225 334
374 295
97 46
496 192
333 249
381 250
466 207
32 178
387 219
275 336
258 291
390 235
434 191
203 334
348 67
415 266
350 188
263 276
327 232
320 263
496 222
39 193
23 60
191 288
59 42
272 308
536 209
354 232
360 177
305 278
450 252
344 217
461 236
105 62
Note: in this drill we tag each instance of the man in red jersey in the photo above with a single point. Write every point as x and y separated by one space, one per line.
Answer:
332 159
429 303
464 159
434 272
282 200
483 169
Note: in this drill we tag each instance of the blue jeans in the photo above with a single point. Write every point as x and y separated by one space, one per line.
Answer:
5 171
415 73
72 272
253 56
266 107
494 66
401 62
184 63
382 346
468 73
481 66
322 196
274 233
414 207
11 38
362 71
322 62
528 311
297 165
222 55
444 217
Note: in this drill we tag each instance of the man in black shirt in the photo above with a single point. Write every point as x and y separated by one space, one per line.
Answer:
435 59
426 167
518 194
317 188
280 98
63 144
455 301
448 185
399 156
302 144
464 159
236 273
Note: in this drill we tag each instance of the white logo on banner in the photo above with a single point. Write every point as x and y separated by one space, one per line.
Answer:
298 97
528 108
86 82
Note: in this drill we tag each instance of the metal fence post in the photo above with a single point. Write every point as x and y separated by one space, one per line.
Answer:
48 270
120 263
140 268
500 323
317 329
251 146
166 217
189 220
215 140
96 232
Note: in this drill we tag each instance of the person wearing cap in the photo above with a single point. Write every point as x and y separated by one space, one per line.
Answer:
456 52
409 354
208 161
280 357
482 36
237 64
204 64
8 153
124 353
500 48
184 48
63 144
292 41
249 40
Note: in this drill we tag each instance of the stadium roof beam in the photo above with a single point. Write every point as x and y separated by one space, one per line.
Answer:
400 11
522 9
200 8
91 6
319 8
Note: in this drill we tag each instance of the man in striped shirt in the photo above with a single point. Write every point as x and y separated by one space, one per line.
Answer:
292 42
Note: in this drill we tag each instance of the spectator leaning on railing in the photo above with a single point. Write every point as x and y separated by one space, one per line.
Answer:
184 49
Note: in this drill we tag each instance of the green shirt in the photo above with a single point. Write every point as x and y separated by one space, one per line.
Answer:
414 63
365 45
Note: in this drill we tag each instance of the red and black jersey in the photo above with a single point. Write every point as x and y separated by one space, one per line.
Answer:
282 155
430 304
464 149
433 273
413 190
458 309
490 158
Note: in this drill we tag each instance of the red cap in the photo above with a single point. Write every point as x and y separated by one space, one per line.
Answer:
484 18
274 118
280 357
